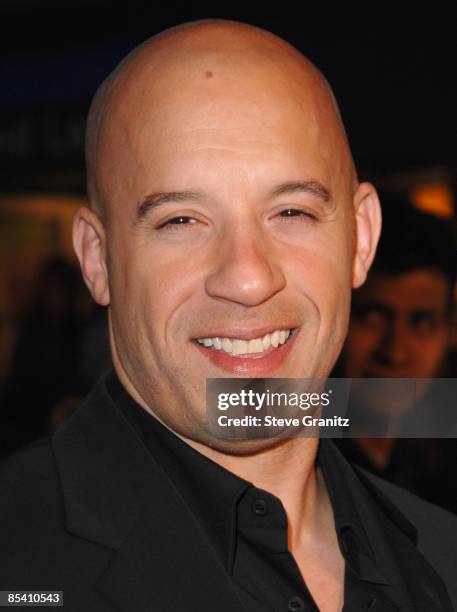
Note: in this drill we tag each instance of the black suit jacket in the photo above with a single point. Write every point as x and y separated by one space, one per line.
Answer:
91 514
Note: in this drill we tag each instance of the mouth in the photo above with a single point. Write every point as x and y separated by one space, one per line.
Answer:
247 354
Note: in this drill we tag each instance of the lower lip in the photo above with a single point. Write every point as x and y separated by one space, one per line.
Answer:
259 366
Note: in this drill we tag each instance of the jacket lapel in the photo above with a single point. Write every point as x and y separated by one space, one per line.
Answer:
164 564
116 496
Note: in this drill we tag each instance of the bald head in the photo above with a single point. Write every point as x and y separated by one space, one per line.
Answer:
209 62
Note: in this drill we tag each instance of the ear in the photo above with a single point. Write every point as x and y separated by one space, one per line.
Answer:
89 244
368 229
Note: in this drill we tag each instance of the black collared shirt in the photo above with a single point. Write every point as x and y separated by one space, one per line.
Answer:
247 527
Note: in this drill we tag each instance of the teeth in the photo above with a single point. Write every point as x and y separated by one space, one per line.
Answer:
227 345
237 346
255 346
275 339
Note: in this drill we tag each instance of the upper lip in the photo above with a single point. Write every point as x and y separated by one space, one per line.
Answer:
239 333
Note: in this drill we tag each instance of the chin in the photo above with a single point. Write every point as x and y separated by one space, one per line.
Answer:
244 447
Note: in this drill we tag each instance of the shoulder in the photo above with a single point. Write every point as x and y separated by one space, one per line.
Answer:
31 509
436 528
33 465
36 550
29 487
426 517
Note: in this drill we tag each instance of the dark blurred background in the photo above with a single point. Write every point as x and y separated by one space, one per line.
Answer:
394 78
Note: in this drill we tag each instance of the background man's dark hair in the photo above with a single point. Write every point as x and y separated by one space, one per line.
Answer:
412 239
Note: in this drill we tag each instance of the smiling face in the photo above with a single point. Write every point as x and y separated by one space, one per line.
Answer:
229 246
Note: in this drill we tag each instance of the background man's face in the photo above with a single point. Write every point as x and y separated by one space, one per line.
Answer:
235 259
399 326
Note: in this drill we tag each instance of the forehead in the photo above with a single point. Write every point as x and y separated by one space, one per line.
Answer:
415 290
163 115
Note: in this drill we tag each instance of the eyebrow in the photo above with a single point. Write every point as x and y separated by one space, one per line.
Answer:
162 197
159 198
312 186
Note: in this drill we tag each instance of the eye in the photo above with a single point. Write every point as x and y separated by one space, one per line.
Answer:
424 323
368 314
177 223
291 215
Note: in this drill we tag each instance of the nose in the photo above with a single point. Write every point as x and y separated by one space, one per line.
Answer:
394 349
246 270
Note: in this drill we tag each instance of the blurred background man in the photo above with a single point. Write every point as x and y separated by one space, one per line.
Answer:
401 322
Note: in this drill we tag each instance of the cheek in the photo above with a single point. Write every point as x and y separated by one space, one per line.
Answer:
360 344
165 300
431 353
322 268
154 298
142 278
327 281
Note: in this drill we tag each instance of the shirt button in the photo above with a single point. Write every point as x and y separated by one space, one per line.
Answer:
259 507
296 604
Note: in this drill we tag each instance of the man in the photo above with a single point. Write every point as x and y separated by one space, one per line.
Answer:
226 228
400 327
